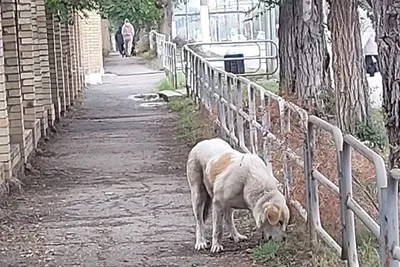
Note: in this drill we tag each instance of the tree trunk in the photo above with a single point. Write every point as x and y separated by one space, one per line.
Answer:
287 47
304 67
388 27
313 78
349 73
166 21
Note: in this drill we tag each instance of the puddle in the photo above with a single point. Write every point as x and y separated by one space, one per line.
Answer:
145 97
152 105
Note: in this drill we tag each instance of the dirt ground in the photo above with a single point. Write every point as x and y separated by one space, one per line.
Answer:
110 188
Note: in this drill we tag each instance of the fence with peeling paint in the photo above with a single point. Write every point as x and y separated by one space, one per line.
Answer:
244 111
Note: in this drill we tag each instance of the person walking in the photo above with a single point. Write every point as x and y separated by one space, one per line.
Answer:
119 40
370 47
128 33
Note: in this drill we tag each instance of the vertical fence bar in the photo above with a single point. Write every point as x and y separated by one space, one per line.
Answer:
185 68
174 66
231 123
212 91
240 122
383 223
203 95
252 117
222 114
265 121
209 89
287 169
312 197
349 246
392 213
192 76
200 74
197 75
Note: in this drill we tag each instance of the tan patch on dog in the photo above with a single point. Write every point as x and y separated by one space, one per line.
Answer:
219 166
273 213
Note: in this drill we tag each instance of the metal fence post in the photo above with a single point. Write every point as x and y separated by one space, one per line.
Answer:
214 102
252 117
174 66
222 113
312 186
240 121
392 213
192 77
231 123
196 75
185 63
349 246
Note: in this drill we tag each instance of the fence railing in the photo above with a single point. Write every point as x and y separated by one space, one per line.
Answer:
261 122
166 53
263 59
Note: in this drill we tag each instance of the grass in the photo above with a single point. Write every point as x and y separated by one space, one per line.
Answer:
166 84
296 251
269 85
266 251
368 247
190 121
373 131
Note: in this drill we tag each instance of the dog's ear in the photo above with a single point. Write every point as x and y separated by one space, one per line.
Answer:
273 214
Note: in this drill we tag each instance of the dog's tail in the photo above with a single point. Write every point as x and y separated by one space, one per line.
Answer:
207 206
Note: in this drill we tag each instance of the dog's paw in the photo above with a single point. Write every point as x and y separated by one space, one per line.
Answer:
216 248
201 245
238 237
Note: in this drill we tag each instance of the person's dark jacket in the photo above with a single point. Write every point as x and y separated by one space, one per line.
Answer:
119 39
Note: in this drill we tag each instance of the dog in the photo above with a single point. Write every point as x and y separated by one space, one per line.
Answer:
224 179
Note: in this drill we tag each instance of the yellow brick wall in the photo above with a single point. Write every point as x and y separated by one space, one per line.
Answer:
91 35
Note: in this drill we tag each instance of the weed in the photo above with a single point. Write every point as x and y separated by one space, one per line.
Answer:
265 251
367 246
166 84
295 251
189 120
269 85
373 130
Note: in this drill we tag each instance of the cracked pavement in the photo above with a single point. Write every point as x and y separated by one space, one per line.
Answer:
110 187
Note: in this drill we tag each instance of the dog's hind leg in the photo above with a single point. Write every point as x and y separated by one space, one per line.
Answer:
199 199
230 224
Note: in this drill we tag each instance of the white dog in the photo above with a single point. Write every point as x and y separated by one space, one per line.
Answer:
222 177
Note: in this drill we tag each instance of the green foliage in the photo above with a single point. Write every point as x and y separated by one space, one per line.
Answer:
261 6
166 84
367 246
190 121
64 8
373 130
265 251
141 13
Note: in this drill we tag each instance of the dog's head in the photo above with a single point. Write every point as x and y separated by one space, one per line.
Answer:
273 221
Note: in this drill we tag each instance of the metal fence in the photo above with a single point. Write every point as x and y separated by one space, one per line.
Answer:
260 57
166 54
243 110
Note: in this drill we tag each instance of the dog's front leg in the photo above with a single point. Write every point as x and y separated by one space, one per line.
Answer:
217 215
233 233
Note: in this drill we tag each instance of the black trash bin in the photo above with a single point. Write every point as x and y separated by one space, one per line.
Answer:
235 66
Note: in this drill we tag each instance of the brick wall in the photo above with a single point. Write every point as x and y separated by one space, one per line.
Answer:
92 53
42 67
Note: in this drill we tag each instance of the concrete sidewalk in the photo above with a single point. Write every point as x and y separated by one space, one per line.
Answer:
111 187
